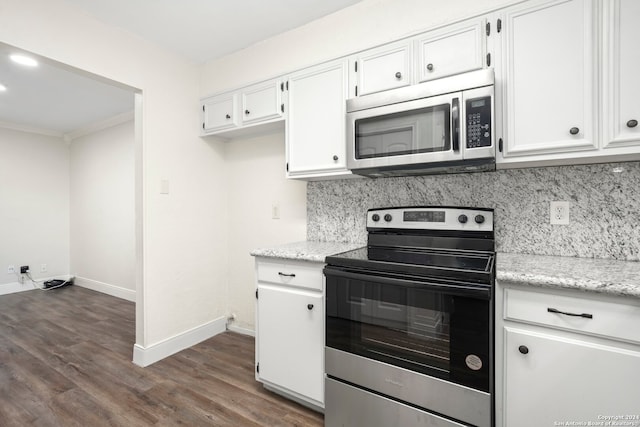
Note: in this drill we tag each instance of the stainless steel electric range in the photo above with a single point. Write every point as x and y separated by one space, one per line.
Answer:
409 321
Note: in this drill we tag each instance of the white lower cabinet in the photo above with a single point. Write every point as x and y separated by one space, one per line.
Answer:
290 329
564 358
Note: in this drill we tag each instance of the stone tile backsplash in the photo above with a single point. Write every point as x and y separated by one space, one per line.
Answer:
604 213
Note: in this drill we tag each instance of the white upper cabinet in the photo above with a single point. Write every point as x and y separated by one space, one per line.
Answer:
384 68
315 130
451 50
219 113
621 97
262 102
566 87
548 84
236 113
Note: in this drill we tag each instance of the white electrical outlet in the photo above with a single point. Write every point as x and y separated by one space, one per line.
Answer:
559 213
275 210
11 269
43 268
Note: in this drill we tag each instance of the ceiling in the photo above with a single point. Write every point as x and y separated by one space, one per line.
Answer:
202 30
54 98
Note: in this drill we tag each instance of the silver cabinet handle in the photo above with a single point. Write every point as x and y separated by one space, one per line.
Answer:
574 131
430 67
523 349
335 158
632 123
309 306
398 75
227 116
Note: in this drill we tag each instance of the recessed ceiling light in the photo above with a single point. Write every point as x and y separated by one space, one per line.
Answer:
3 88
24 60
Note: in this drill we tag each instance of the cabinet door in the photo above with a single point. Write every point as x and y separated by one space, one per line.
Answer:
291 339
262 102
384 68
453 50
621 84
548 78
316 120
219 113
561 379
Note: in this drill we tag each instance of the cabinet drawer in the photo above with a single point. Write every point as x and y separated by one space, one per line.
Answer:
298 274
608 319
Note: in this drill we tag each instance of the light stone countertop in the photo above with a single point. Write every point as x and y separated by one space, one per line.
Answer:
606 276
305 250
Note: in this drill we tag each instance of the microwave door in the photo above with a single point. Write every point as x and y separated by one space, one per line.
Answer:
419 131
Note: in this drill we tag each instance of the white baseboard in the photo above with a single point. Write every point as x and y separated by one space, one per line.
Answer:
241 330
14 287
145 356
105 288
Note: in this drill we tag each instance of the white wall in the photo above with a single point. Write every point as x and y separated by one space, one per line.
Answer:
34 206
182 281
256 180
102 173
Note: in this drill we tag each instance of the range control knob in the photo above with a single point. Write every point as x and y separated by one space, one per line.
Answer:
375 217
388 217
479 219
462 219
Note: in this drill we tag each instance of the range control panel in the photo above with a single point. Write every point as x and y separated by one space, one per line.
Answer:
431 218
478 111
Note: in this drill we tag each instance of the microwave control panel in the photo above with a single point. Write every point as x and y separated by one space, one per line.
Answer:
478 121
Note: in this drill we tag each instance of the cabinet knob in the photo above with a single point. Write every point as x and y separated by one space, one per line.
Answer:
430 67
310 306
523 349
228 116
398 75
632 123
574 131
247 112
335 158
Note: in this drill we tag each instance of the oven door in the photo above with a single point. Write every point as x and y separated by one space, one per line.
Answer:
433 327
413 132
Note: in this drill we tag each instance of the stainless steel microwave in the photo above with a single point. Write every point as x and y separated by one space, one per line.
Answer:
443 126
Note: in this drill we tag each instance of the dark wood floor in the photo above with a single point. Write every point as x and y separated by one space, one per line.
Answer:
65 360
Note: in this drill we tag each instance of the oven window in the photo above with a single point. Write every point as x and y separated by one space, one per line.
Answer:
417 131
437 334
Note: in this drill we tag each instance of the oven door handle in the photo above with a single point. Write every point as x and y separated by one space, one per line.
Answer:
459 289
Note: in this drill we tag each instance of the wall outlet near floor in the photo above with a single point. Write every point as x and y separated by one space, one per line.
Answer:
24 269
11 269
275 210
559 213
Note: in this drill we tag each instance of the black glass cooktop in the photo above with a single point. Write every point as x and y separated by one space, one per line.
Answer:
467 265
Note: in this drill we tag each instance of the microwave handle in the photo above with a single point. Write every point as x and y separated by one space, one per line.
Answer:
455 127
